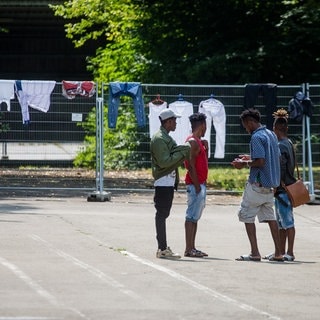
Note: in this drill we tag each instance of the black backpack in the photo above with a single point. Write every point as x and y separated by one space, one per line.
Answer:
298 106
295 110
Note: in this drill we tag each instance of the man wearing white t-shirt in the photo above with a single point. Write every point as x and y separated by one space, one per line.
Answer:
166 157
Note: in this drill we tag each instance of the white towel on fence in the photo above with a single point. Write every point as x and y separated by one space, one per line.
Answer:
35 94
6 92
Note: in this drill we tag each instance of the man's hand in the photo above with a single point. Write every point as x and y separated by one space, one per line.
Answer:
245 157
205 144
239 163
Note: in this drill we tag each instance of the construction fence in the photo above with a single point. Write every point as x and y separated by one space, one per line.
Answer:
53 139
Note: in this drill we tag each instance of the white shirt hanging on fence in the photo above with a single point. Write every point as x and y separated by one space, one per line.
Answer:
215 112
6 92
183 129
35 94
154 121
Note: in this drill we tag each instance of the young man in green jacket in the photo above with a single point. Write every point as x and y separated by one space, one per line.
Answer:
166 157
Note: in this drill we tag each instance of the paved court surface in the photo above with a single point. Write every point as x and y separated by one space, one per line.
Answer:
66 258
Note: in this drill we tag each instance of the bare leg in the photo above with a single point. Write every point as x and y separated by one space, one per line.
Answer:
275 236
283 239
291 232
189 235
252 235
195 227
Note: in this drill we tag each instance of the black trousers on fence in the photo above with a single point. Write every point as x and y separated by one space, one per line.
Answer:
269 93
163 198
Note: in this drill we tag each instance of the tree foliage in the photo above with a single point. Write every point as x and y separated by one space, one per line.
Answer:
233 42
119 145
113 25
198 42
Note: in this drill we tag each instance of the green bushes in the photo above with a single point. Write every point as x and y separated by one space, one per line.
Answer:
225 178
120 144
230 179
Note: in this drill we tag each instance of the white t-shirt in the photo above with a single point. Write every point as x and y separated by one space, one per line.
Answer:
154 121
166 181
183 129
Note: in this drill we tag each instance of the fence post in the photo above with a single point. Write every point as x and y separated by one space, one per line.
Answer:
4 151
99 194
306 126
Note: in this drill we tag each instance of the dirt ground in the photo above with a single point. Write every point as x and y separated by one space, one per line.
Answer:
72 178
124 186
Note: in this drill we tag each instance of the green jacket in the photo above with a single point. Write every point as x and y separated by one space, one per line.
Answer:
166 155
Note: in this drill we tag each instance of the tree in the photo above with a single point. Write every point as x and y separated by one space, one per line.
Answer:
212 42
299 42
232 41
113 25
229 41
119 145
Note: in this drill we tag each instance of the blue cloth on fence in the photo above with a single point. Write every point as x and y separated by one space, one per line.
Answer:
131 89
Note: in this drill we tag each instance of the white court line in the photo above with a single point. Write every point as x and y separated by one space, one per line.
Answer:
37 288
27 318
96 272
26 279
196 285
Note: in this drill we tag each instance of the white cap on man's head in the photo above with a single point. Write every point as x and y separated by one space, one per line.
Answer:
167 114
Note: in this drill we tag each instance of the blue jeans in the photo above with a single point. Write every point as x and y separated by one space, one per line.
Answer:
196 202
131 89
284 212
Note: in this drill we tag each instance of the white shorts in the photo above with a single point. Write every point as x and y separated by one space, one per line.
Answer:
256 201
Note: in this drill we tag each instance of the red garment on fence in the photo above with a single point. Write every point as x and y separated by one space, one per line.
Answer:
83 88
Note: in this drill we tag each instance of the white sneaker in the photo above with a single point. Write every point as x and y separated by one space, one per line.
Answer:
167 254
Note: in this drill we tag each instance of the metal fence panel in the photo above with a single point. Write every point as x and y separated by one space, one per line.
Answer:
54 138
233 99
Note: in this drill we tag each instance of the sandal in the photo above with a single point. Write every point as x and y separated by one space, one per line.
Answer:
268 256
248 257
201 252
194 254
287 257
278 259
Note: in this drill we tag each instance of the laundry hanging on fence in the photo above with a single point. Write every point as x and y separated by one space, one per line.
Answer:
35 94
216 115
155 107
269 93
6 92
131 89
70 89
299 106
183 128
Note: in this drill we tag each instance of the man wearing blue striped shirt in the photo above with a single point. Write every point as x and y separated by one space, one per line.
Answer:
264 177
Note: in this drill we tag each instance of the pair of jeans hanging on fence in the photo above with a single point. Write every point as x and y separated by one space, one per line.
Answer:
131 89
